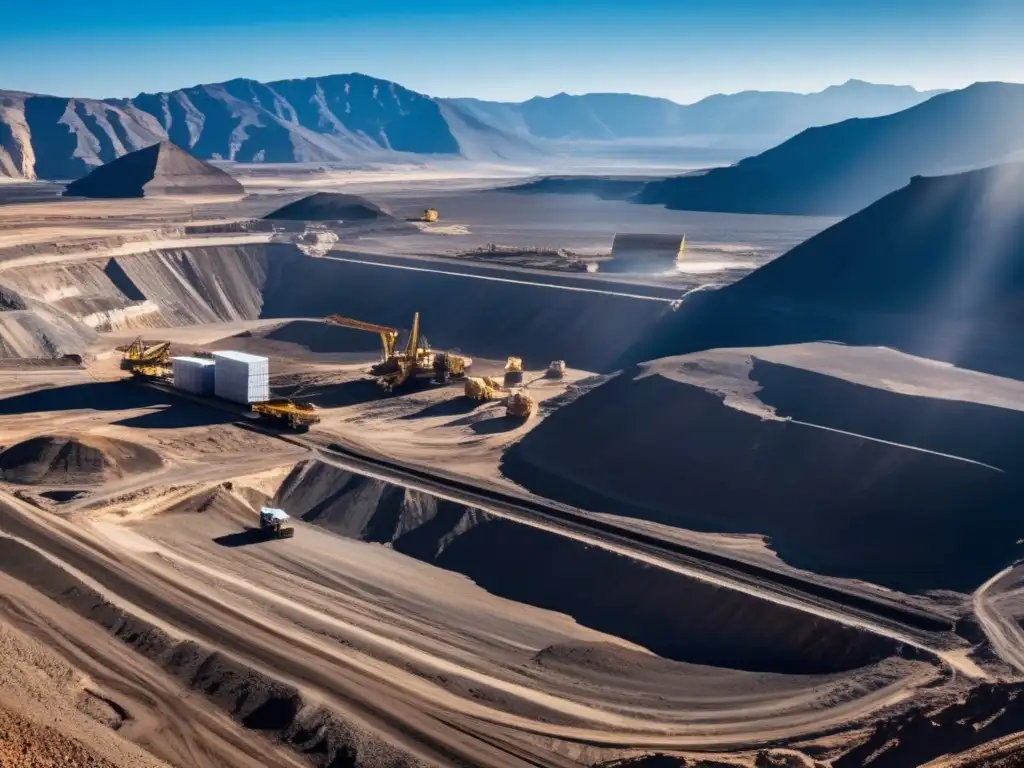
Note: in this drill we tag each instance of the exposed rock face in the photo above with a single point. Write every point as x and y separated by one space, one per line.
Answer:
161 169
47 137
840 168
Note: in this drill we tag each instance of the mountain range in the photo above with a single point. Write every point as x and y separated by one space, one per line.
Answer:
837 169
359 118
771 115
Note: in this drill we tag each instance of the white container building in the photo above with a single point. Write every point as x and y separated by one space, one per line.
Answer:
241 377
193 374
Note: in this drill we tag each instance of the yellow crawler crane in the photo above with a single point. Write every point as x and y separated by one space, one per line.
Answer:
513 371
519 405
140 353
482 389
416 361
297 416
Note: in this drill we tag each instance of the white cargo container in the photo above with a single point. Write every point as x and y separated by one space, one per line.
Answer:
193 374
241 377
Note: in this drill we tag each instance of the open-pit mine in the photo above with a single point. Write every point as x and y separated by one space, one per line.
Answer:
466 521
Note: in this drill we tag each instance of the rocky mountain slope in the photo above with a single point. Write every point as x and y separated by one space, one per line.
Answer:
935 269
335 118
837 169
772 116
356 117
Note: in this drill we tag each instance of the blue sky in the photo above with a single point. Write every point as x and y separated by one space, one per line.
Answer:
511 49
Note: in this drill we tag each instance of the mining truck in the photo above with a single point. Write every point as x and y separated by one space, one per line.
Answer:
273 524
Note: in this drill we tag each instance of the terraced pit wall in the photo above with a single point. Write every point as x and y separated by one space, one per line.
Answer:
490 318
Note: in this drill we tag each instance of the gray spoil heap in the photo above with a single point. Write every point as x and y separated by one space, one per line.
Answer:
163 169
330 206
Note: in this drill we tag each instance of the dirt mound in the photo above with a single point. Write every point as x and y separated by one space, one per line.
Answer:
837 484
330 206
989 712
75 460
716 627
23 742
161 169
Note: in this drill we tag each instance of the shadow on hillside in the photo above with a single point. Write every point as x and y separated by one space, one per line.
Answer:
96 396
458 406
171 413
242 538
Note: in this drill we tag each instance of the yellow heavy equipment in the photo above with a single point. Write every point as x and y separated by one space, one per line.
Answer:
151 371
430 215
297 416
482 388
519 405
513 371
140 352
416 361
556 370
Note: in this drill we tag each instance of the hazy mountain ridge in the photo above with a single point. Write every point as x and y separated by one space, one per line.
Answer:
839 168
357 117
609 116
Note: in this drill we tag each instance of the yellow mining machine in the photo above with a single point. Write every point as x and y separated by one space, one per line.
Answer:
416 361
483 388
556 370
297 416
519 405
513 371
141 353
430 215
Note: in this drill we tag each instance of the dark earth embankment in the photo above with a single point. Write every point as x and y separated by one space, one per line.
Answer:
674 616
884 504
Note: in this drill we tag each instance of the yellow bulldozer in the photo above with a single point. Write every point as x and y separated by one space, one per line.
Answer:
483 388
513 371
297 416
415 361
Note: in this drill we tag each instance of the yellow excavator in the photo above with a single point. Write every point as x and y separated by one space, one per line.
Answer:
416 361
140 353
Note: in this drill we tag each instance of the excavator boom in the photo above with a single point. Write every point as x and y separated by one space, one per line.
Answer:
388 336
